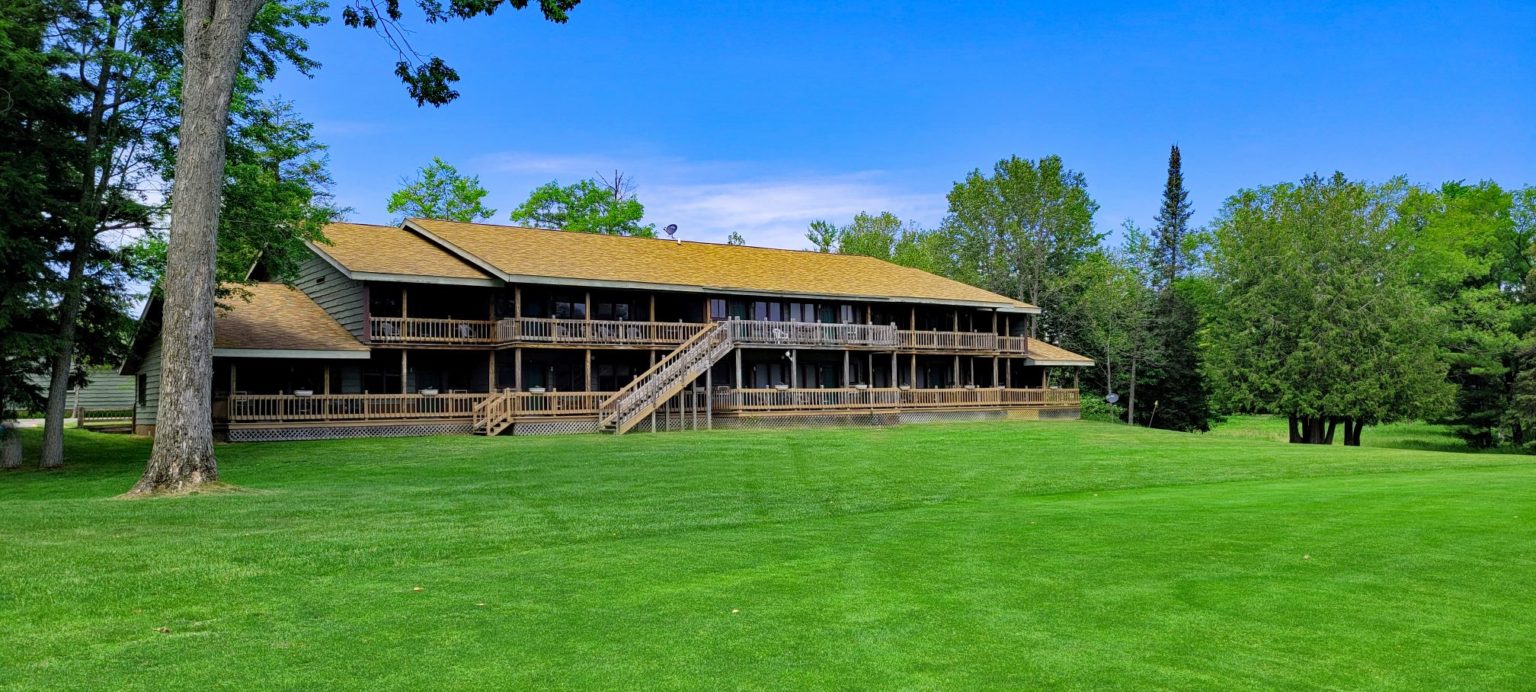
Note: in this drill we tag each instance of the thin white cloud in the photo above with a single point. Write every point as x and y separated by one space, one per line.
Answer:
776 212
708 200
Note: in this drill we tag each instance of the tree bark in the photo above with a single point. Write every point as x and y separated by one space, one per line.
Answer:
10 448
63 358
1130 412
1295 430
1352 430
1332 424
183 458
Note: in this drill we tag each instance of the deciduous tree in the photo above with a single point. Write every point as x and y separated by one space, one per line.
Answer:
439 191
588 206
1021 231
1319 319
215 34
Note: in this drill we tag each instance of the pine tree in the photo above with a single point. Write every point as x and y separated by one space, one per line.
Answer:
1174 391
1173 223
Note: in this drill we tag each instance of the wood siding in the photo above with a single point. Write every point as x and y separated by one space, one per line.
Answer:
150 369
339 296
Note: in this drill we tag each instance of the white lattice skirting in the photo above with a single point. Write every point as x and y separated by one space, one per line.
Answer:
338 432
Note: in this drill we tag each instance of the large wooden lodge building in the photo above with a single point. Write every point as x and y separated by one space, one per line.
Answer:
442 327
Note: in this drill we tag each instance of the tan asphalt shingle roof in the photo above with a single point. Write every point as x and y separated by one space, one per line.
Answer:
556 254
277 317
1040 350
392 250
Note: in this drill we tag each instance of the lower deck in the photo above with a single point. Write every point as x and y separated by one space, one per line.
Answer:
255 417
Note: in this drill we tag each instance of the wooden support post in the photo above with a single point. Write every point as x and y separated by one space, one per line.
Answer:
709 399
914 319
869 314
994 321
232 387
847 375
587 374
517 369
1008 373
894 379
586 311
405 302
794 369
490 382
913 382
517 301
1042 377
405 373
740 384
653 314
993 381
326 388
955 378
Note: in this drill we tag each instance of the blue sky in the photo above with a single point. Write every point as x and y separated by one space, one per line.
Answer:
758 117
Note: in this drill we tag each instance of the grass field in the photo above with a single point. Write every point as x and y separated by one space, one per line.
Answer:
977 555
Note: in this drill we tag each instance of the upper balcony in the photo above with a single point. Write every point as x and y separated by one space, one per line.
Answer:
584 333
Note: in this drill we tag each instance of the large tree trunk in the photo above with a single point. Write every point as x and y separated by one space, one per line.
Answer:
183 457
1295 429
10 448
1352 430
1333 423
63 358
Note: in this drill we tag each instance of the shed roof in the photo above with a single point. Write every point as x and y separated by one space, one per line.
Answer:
274 317
1042 353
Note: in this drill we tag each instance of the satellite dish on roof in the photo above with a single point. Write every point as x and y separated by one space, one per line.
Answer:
671 230
1112 398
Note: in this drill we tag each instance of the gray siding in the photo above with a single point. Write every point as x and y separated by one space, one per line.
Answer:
340 296
150 369
104 389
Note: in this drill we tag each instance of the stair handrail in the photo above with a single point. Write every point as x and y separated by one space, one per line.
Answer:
661 373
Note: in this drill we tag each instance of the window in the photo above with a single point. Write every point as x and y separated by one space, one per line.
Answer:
847 314
570 309
765 310
802 312
717 309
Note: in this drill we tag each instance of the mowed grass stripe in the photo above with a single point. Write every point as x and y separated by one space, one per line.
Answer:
901 558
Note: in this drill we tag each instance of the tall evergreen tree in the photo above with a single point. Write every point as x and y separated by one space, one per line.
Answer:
1173 224
1173 382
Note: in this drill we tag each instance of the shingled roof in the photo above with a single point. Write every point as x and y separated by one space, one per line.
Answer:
520 254
392 252
1042 353
272 317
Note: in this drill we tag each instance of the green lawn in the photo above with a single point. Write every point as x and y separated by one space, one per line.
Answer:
977 555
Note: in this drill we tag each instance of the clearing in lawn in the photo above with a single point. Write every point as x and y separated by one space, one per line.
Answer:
975 555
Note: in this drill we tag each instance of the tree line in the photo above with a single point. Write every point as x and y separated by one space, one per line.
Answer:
1336 303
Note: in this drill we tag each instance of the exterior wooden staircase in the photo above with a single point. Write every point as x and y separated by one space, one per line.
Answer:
669 376
494 415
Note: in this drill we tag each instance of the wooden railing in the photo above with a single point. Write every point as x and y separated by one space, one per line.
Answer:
594 332
427 330
811 334
948 341
664 379
1013 344
421 330
739 400
252 408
